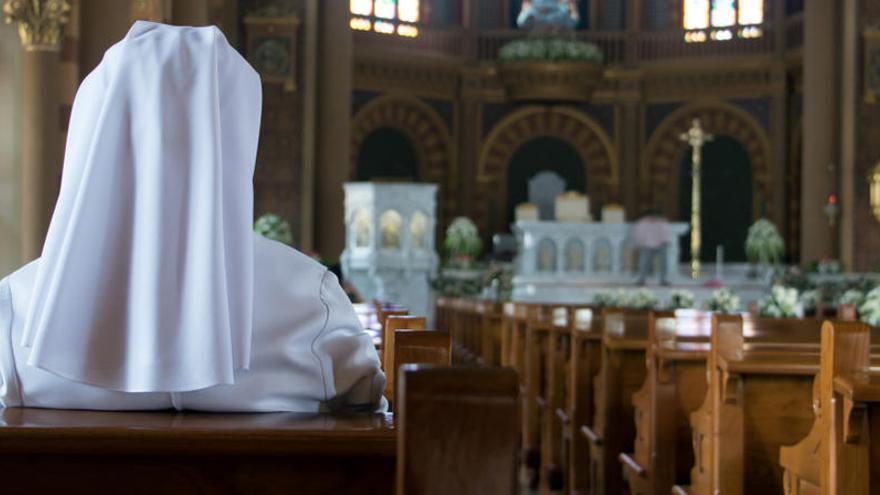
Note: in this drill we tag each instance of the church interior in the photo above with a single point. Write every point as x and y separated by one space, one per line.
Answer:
600 246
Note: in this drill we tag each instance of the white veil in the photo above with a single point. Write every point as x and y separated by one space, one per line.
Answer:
146 278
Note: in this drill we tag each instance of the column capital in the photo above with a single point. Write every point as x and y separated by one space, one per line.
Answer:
40 22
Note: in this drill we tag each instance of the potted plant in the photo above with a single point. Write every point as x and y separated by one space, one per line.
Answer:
550 67
869 309
680 299
462 242
764 245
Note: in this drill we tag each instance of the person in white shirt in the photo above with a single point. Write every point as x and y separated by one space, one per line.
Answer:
651 238
153 291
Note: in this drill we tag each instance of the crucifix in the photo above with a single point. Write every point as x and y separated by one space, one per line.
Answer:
696 138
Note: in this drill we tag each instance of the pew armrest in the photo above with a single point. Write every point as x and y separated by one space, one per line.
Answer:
591 435
680 490
562 415
631 464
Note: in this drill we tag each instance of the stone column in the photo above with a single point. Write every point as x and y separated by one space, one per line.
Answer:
820 117
40 26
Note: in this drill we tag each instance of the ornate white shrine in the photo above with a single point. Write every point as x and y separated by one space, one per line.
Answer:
581 253
389 241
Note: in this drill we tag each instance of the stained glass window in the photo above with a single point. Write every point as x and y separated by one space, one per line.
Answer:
385 16
722 20
696 14
751 12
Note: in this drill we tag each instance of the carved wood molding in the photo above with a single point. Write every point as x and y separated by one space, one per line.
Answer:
427 132
576 128
411 75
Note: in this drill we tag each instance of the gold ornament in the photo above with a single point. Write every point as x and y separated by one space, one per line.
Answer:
40 22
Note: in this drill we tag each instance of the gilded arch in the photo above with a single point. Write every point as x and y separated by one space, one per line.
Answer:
576 128
425 128
661 160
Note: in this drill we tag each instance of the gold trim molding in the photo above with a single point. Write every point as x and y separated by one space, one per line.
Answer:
40 22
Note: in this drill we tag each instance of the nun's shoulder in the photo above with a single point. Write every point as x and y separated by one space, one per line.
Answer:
277 256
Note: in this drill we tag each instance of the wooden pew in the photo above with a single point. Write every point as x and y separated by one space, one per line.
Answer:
621 374
489 314
469 447
421 347
761 373
393 323
584 360
675 386
839 454
81 452
458 431
555 354
532 341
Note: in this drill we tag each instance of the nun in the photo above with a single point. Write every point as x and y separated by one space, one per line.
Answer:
153 291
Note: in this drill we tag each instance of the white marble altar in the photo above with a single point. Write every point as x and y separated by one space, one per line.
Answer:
389 242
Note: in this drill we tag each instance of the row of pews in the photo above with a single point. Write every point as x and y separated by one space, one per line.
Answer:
454 429
686 402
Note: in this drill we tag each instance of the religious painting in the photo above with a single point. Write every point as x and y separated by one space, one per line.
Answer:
272 48
602 256
361 228
546 256
389 225
418 230
574 256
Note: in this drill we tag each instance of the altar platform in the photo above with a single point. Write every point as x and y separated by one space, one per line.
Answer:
567 288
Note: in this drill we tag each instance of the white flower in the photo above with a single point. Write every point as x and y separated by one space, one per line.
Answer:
782 302
642 299
462 238
852 297
723 301
869 310
810 299
681 299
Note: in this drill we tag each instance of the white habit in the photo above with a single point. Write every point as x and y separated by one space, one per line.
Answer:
152 291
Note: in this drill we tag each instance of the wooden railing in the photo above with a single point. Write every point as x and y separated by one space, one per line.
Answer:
483 46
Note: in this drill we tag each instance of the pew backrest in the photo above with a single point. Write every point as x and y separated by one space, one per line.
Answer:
421 347
458 430
392 325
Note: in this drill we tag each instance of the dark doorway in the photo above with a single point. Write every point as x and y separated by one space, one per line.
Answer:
727 199
538 155
387 154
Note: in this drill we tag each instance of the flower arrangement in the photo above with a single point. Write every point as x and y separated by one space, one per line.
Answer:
612 299
272 226
680 299
869 309
550 50
810 299
723 301
462 241
852 297
782 302
763 242
641 299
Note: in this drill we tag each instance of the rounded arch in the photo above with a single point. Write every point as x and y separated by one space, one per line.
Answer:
661 161
584 134
425 129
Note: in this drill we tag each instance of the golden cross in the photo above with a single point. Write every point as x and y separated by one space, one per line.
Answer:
696 138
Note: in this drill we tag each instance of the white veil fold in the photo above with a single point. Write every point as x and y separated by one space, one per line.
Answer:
146 278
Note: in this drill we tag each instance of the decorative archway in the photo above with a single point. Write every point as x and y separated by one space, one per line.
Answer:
428 134
663 154
583 133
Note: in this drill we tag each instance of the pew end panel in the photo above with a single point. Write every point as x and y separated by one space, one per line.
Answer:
458 430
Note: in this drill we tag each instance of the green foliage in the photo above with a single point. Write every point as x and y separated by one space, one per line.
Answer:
272 226
550 50
462 239
763 243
